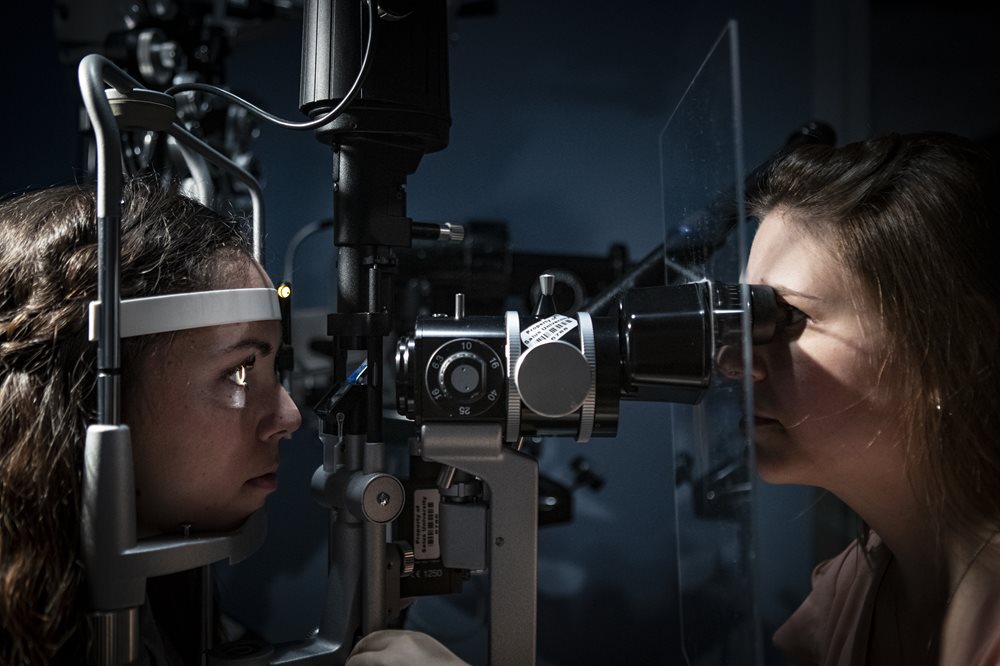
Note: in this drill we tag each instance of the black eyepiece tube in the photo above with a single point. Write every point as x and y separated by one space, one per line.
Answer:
666 336
763 314
669 335
730 301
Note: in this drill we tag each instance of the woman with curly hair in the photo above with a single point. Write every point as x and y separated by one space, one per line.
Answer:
205 409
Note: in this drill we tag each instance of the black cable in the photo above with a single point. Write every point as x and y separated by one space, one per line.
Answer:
293 244
326 118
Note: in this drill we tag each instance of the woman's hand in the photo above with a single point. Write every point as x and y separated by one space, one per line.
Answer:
395 647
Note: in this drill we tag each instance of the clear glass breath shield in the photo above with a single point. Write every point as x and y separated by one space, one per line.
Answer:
706 238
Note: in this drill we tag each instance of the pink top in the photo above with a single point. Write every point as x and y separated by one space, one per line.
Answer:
831 626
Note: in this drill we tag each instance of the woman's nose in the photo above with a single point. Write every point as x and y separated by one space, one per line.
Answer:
290 412
730 363
285 419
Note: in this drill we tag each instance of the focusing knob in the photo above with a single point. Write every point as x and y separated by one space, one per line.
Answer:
407 559
377 498
465 377
463 374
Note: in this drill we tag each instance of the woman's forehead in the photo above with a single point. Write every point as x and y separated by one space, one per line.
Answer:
228 339
803 263
235 272
782 248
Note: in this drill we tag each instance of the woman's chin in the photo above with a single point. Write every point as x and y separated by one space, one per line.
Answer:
219 522
773 463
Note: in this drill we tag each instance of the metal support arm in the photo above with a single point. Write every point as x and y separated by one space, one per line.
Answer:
512 536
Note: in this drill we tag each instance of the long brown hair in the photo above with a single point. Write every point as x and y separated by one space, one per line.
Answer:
911 217
48 257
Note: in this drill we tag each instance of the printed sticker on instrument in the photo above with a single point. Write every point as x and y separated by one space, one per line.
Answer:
426 524
547 330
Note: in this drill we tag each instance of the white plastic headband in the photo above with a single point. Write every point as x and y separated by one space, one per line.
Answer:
178 312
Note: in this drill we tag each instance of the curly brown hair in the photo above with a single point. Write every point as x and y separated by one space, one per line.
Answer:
48 257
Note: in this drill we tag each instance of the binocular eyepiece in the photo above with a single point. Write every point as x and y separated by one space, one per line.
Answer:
553 374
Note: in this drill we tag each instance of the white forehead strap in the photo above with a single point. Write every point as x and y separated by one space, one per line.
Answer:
178 312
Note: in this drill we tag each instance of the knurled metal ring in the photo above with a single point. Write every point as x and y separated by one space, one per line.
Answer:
588 348
513 349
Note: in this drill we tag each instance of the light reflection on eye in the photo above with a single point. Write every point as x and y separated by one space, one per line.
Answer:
240 375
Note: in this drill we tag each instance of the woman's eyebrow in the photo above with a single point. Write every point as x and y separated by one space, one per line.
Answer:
262 346
782 290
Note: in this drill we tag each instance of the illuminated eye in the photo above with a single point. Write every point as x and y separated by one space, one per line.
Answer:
238 375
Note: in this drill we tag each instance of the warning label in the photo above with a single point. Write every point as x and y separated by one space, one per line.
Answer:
547 330
426 526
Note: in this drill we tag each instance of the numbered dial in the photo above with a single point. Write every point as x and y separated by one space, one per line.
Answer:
465 377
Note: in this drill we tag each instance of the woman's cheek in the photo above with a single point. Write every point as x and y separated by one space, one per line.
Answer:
228 395
236 397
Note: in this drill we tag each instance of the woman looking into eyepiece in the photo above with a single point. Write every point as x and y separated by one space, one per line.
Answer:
882 386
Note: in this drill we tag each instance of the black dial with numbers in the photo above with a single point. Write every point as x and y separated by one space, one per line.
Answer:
465 377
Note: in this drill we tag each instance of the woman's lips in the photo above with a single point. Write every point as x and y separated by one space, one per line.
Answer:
265 481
